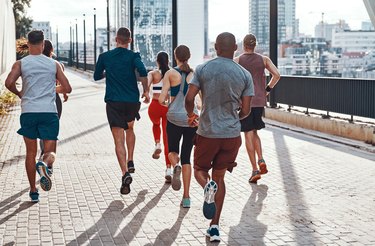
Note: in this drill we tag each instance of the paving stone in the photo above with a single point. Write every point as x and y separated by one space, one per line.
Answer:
305 199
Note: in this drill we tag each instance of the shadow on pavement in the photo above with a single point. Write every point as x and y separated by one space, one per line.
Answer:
84 94
10 200
168 236
13 160
249 220
108 219
132 228
23 206
81 134
298 208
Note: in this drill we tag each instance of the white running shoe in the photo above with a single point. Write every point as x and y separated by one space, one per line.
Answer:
157 151
168 175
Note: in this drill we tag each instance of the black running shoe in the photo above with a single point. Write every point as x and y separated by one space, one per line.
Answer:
126 181
131 168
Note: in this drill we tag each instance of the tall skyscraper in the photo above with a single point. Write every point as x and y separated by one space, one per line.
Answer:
259 16
153 26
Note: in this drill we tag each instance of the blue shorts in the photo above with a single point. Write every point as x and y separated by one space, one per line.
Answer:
39 125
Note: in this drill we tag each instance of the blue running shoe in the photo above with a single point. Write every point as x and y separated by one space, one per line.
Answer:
45 180
209 207
50 171
34 196
126 181
213 233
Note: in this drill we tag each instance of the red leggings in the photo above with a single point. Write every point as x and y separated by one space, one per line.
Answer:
156 111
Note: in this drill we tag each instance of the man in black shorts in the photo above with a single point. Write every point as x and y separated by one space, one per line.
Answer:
122 98
256 64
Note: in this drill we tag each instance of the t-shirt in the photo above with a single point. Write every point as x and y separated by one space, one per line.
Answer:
222 82
121 81
38 74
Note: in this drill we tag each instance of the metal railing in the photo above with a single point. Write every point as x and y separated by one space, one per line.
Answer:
345 96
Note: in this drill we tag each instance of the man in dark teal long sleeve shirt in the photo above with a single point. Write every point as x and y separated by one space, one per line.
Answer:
122 98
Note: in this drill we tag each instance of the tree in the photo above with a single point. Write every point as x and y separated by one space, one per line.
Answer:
23 23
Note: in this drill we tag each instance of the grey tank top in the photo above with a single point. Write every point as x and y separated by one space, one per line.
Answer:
176 110
38 74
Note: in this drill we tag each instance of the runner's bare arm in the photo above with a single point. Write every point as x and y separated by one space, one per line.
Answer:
63 80
245 107
163 97
14 74
273 71
190 99
146 90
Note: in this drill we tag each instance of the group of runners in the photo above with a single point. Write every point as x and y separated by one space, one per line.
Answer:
230 94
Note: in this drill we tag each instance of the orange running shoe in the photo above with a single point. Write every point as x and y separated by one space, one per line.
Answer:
255 176
262 166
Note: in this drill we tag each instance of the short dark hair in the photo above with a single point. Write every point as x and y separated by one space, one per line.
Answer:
35 37
123 35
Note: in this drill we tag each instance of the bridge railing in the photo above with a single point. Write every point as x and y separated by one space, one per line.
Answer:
340 95
354 97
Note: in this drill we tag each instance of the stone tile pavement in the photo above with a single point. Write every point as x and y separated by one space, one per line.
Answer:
317 192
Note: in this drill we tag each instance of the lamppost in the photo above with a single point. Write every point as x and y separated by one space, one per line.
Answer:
94 37
73 47
70 45
77 59
57 42
84 42
108 31
174 28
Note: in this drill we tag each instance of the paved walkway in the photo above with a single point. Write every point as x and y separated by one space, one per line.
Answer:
316 193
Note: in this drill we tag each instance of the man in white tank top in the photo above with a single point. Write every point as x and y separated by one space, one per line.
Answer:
38 109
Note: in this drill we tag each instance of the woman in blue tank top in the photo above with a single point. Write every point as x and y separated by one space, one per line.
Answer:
176 82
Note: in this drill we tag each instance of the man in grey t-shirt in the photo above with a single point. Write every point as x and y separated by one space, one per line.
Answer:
226 90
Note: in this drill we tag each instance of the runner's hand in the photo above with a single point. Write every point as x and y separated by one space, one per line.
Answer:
65 97
146 96
193 120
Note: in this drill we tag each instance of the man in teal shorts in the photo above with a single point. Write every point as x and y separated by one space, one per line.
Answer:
38 109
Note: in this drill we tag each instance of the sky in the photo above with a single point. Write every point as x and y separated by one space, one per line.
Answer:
222 16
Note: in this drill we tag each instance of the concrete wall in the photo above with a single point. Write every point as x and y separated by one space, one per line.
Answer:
362 132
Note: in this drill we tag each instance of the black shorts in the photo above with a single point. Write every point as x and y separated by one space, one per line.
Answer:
174 134
120 113
253 121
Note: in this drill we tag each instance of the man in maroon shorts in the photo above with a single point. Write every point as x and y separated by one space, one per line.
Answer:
226 87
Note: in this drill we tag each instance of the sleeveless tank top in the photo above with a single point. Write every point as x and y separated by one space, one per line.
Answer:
255 65
156 88
176 89
38 74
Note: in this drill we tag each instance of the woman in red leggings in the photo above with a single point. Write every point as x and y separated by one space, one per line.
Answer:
158 112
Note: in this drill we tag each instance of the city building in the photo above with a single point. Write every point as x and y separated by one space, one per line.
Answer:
354 41
325 30
330 65
259 21
153 27
44 26
367 26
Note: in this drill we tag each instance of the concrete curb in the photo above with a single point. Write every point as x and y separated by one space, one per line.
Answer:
361 136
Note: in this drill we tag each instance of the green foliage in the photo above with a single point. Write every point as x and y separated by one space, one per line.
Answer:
23 23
